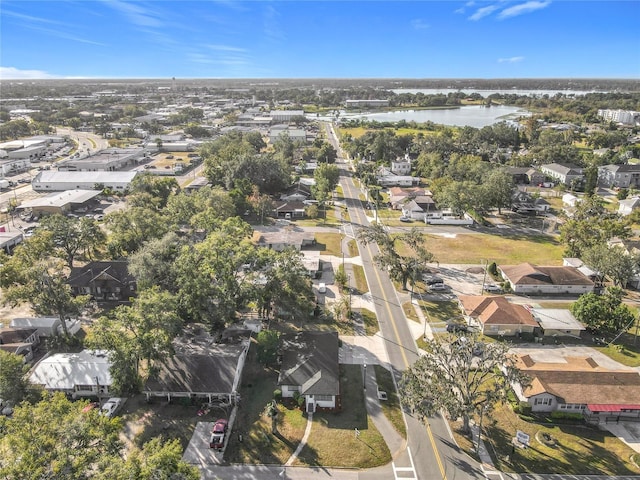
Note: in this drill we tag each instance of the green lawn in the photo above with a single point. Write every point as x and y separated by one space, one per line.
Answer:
352 245
333 442
360 279
391 407
329 243
258 444
579 450
506 250
410 312
370 320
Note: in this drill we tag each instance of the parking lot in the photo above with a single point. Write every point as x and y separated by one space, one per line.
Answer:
462 279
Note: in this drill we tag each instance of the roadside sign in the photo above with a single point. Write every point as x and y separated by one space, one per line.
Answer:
522 437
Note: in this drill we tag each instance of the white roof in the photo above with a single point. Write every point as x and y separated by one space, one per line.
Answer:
35 322
84 177
60 199
556 319
63 371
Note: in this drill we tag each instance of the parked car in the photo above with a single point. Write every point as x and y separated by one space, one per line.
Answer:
438 287
431 279
111 406
218 433
99 217
322 288
456 327
406 219
491 288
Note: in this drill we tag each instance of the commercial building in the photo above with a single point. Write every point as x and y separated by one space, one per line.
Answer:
52 181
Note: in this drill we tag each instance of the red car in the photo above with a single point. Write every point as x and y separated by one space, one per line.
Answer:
218 433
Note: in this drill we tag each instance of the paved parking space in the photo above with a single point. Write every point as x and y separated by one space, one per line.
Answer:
198 451
463 279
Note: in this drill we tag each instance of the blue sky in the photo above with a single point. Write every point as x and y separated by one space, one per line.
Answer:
319 39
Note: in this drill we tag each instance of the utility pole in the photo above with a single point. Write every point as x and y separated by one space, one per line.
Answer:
484 278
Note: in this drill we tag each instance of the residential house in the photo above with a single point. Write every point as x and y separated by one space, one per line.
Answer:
628 205
495 315
619 176
284 238
289 209
421 207
399 196
19 341
202 368
309 367
107 281
527 278
46 326
312 263
580 385
628 247
518 174
401 166
557 322
82 374
566 174
8 240
386 178
535 177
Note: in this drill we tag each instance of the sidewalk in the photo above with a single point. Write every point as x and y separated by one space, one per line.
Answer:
393 439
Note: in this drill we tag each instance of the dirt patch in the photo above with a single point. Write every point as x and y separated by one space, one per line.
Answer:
8 313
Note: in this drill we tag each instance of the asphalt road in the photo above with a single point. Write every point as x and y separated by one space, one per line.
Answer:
430 454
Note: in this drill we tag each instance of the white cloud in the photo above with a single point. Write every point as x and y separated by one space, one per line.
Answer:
483 12
510 60
12 73
523 8
136 13
226 48
271 21
419 24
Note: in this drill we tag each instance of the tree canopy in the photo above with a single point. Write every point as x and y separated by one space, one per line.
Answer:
402 268
603 314
461 375
72 444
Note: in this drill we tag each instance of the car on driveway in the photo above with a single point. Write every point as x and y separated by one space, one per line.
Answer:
491 288
431 279
438 287
456 327
111 406
216 441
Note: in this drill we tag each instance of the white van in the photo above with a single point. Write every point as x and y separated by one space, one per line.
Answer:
287 216
322 288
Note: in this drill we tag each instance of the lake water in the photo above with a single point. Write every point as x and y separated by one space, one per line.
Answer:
486 93
476 116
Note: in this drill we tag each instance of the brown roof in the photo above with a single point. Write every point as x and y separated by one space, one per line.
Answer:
580 380
602 387
528 274
496 310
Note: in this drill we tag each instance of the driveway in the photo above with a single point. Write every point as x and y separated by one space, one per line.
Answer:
463 279
198 451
